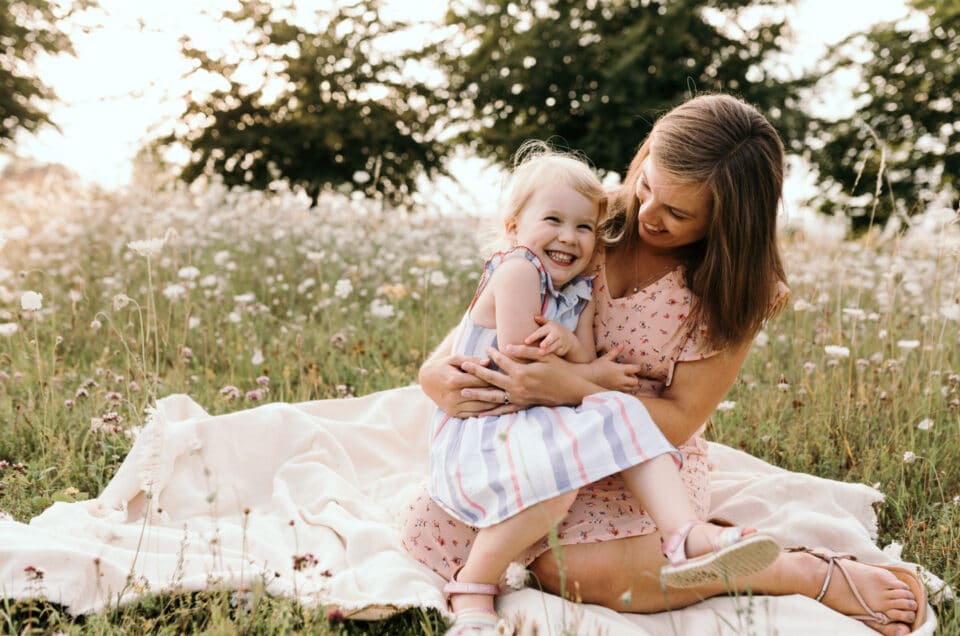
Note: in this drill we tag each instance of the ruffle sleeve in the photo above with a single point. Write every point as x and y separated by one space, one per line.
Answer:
697 346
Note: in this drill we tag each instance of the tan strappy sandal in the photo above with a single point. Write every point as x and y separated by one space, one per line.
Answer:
835 560
735 553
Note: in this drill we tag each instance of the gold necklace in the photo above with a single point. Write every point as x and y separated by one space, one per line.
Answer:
643 283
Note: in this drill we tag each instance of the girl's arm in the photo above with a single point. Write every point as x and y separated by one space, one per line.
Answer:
531 378
515 286
586 351
442 379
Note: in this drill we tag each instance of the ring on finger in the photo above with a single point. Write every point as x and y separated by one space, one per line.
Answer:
506 397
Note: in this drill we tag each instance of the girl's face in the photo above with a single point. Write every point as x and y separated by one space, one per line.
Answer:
559 225
672 213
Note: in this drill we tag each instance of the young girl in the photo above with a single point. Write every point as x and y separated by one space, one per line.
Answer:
515 476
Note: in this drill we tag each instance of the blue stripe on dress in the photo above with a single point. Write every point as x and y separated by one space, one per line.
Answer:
559 467
452 452
612 434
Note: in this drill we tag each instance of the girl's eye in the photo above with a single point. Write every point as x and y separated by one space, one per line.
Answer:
588 228
676 214
553 219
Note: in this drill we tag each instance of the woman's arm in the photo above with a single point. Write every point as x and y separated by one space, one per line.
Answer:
442 378
697 387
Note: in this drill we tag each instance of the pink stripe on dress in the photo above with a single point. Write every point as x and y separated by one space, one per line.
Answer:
463 493
513 469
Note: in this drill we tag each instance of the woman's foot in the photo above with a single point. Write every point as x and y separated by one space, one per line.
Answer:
879 589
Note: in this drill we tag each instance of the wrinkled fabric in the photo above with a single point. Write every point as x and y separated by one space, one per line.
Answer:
303 500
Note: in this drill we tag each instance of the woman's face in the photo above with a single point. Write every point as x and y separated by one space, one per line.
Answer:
672 213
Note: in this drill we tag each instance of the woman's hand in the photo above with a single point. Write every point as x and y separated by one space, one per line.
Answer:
443 379
529 377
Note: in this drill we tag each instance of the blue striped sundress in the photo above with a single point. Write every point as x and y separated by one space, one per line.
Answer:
486 470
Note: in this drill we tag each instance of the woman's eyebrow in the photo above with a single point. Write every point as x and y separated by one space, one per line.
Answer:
646 181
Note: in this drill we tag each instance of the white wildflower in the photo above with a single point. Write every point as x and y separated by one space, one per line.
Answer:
837 351
438 278
854 312
726 405
149 247
305 285
894 550
343 288
31 301
188 273
221 257
174 291
516 575
907 345
925 424
802 305
244 299
193 322
120 301
909 457
381 309
257 358
809 367
8 329
208 281
95 325
233 317
951 311
75 295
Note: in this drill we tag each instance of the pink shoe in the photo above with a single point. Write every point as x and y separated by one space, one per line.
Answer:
734 554
472 621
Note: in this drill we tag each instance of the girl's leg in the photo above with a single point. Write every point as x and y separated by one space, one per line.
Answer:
624 575
657 486
496 546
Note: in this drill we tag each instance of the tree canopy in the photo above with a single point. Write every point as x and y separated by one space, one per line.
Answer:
906 119
332 108
597 74
29 28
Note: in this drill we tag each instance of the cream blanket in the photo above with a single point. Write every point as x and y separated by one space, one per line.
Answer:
235 501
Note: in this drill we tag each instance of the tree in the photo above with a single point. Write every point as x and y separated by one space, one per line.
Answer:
598 74
333 109
29 28
906 121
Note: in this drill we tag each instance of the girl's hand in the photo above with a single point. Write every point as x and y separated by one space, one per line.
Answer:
553 338
613 375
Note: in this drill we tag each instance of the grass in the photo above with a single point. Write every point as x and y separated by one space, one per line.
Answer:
258 298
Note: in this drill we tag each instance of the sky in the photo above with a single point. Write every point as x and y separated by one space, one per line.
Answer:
126 79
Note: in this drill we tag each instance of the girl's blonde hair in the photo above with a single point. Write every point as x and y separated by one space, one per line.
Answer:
537 164
725 145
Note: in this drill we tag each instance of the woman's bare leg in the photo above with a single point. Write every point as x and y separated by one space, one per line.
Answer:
603 573
496 546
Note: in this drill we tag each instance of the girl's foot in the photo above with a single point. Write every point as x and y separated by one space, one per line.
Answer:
700 552
879 589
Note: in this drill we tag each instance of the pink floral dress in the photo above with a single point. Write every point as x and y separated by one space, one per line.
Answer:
650 325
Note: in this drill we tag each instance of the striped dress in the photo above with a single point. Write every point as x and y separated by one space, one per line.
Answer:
484 470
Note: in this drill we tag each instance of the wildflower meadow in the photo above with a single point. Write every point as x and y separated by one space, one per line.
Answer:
110 301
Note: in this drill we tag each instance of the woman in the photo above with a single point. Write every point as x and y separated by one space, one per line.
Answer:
689 271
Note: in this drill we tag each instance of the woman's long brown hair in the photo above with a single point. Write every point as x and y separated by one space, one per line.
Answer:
726 145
